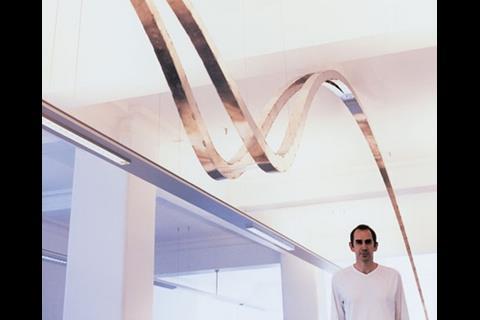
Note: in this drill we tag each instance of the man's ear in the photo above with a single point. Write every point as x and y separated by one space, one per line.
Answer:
351 245
375 246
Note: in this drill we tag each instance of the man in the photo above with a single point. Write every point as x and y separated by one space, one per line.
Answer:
367 290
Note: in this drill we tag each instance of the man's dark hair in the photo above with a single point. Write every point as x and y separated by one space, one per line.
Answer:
363 227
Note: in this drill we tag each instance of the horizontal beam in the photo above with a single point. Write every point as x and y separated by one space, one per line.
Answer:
151 172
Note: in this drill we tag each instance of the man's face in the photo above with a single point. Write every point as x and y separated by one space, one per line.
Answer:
363 245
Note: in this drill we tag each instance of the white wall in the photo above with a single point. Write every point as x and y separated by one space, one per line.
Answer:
426 265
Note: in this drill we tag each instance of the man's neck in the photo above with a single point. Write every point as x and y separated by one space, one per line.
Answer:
365 267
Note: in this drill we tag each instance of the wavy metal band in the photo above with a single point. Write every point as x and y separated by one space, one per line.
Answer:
255 149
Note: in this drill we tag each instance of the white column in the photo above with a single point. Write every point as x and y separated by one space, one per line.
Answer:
299 289
111 243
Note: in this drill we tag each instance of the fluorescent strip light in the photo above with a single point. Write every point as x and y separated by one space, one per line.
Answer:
84 142
164 284
271 239
54 260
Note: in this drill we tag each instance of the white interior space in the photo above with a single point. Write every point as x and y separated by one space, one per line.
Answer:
152 251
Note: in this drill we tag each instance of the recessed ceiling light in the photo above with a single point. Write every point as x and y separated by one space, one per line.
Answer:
83 142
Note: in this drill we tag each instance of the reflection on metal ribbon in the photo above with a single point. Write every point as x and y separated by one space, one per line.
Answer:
255 149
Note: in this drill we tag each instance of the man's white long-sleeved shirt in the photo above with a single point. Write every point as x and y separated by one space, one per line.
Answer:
377 295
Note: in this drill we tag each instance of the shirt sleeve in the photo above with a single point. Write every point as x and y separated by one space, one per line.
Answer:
337 311
401 311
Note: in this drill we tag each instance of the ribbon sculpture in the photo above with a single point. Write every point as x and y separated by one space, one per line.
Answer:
255 149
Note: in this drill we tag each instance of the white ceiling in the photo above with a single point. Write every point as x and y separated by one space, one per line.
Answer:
94 51
99 66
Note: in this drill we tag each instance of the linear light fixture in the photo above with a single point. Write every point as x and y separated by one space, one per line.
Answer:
52 259
84 142
278 243
164 284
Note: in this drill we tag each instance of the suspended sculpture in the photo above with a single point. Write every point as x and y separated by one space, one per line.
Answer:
255 148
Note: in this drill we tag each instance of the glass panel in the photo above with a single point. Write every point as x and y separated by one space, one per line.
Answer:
204 270
253 293
57 175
